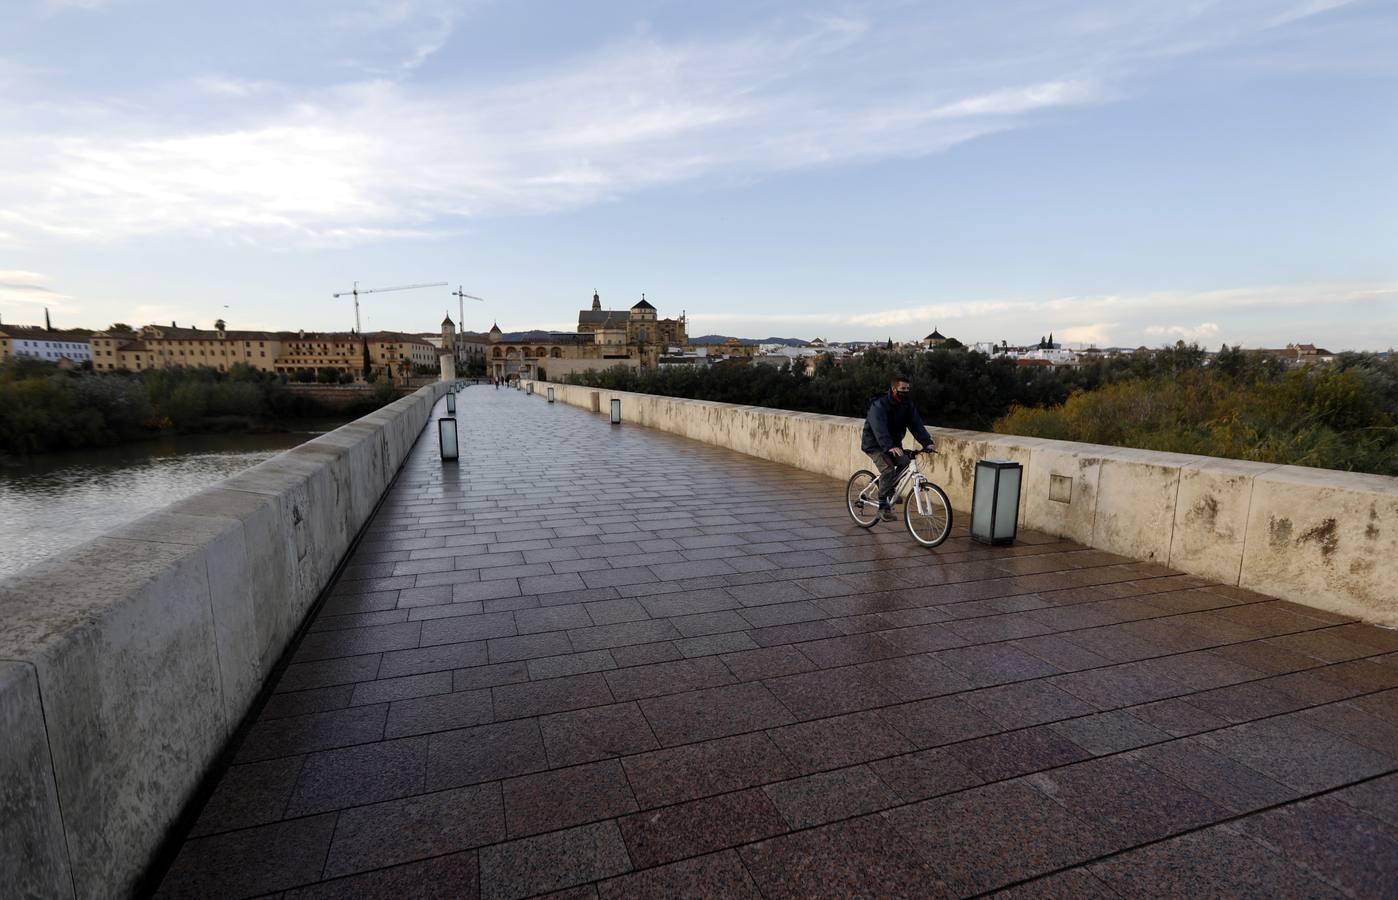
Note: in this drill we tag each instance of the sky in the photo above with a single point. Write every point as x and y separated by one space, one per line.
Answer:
1117 173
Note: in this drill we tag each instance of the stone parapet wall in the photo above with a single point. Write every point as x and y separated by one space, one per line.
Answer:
1323 538
126 664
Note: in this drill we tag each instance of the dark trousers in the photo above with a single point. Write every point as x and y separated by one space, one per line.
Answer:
890 467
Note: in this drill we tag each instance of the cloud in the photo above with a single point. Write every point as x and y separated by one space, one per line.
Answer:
1098 334
27 294
1305 11
56 6
394 156
1200 332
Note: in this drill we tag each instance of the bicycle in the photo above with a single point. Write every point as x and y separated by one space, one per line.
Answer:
927 513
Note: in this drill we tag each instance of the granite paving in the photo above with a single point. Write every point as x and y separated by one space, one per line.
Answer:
606 661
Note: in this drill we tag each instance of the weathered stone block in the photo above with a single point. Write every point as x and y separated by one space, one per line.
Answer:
1059 493
33 852
122 638
1328 539
1211 517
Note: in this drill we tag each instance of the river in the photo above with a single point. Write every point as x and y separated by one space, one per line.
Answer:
56 501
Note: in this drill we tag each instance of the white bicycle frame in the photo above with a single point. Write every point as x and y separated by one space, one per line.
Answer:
910 477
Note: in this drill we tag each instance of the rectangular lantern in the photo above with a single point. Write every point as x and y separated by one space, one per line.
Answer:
995 501
616 411
550 395
531 387
451 404
446 439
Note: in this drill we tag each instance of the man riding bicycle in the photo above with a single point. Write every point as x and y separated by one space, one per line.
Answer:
890 417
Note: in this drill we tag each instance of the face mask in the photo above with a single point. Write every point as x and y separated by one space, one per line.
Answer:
900 396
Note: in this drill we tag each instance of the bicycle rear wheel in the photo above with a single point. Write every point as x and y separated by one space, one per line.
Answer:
932 526
862 498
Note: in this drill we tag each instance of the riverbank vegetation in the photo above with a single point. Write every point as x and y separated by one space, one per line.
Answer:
1235 404
44 409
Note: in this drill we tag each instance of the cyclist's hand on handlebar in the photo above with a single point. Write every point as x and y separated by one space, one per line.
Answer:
930 448
896 452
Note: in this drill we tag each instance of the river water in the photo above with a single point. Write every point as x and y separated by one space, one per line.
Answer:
53 502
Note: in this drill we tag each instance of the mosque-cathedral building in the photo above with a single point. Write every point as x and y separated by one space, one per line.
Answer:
634 337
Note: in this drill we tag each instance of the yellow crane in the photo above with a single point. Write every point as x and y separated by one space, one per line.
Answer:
402 287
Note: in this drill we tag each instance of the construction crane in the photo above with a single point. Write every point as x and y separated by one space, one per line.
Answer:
461 298
402 287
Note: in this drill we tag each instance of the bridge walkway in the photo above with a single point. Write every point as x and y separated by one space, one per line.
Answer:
613 662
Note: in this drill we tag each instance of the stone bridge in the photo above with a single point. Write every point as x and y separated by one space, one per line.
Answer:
609 661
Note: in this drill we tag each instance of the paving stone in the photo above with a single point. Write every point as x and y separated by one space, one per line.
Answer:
438 713
718 875
1074 884
713 712
1223 780
839 741
559 798
827 692
611 612
317 731
305 676
433 659
701 624
861 857
927 773
483 753
1109 732
990 836
586 735
658 836
479 677
353 776
253 794
299 703
674 677
534 698
1026 703
249 862
1296 754
451 877
828 796
1137 802
521 868
938 721
398 831
1215 862
1378 798
1011 753
407 687
529 646
710 767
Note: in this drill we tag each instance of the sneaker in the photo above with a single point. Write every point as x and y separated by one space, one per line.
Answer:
886 513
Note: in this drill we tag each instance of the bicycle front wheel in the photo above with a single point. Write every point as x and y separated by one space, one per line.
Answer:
862 498
927 513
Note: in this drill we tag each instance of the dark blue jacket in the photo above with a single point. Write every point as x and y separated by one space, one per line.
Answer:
887 422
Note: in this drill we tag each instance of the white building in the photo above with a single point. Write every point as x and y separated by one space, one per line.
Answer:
50 346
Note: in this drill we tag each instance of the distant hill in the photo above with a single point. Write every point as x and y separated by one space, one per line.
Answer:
746 342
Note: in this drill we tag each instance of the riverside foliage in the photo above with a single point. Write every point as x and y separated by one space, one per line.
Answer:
1237 404
44 409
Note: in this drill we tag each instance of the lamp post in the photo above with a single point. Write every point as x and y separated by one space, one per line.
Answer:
550 394
446 439
995 501
616 410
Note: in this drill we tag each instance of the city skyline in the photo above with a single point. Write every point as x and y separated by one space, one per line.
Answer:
1120 174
